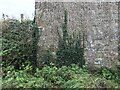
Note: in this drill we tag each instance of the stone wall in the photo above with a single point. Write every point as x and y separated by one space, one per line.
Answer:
99 21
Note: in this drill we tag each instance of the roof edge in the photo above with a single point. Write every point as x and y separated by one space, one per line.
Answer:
77 0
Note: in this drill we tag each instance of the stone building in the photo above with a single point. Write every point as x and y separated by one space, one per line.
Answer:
99 21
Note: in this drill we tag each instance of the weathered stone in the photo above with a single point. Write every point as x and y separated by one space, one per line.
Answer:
97 19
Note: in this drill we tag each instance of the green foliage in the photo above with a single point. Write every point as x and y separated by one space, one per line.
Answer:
19 54
17 43
22 79
53 77
35 40
110 74
70 47
47 58
118 74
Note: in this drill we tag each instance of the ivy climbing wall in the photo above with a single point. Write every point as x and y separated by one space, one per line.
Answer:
98 20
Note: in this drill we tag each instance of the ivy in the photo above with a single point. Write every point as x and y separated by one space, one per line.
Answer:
70 48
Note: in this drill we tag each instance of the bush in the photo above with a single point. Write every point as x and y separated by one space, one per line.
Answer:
19 42
109 73
53 77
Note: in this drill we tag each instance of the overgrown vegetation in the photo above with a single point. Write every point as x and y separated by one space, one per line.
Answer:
19 43
19 60
16 43
53 77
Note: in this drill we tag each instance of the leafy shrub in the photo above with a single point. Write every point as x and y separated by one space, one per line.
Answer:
53 77
73 84
109 73
19 42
